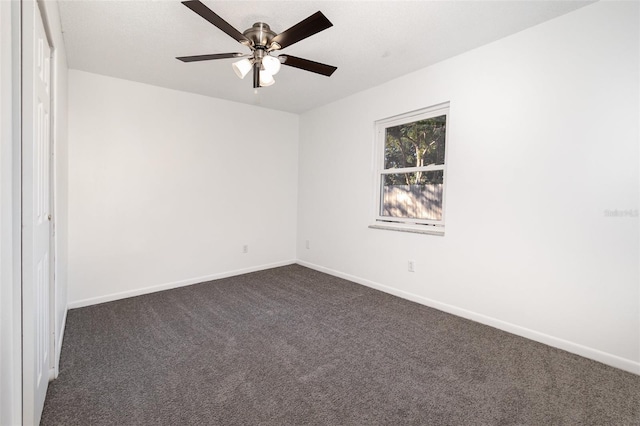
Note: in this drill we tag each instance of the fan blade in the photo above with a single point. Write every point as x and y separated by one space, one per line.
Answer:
307 65
208 14
303 29
209 57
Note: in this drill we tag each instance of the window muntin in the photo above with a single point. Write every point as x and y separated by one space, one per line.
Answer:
411 168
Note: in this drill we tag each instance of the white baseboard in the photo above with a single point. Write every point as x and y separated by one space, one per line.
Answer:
578 349
56 366
176 284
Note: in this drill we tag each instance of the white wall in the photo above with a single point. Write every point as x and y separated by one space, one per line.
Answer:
166 187
60 167
543 139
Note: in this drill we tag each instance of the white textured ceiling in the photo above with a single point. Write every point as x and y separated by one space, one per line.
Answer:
371 42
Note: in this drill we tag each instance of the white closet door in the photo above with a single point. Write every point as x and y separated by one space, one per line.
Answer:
36 211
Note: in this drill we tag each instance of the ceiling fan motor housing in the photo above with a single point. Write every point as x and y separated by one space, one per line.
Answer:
260 35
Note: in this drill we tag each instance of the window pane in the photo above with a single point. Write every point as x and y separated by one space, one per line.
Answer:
416 144
412 195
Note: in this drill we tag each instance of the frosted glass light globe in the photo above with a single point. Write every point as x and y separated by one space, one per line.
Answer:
242 67
271 64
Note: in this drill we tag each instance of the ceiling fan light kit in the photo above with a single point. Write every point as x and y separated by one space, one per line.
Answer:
262 41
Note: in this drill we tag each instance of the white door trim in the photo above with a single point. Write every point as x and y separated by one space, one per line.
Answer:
10 216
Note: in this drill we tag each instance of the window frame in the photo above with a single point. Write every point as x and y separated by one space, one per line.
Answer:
427 226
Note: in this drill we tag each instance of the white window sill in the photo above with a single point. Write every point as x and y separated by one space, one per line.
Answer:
404 227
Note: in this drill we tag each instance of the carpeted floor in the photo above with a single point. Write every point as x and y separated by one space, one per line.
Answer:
294 346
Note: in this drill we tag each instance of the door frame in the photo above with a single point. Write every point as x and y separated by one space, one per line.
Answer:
10 214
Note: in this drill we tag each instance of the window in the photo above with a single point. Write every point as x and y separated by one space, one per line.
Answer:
411 171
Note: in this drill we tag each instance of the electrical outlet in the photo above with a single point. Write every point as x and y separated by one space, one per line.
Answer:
411 267
245 248
307 244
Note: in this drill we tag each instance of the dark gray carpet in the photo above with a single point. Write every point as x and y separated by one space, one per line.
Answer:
294 346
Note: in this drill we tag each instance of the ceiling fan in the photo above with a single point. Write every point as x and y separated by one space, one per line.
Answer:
262 41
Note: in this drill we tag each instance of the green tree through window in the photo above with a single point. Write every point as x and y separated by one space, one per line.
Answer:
416 144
